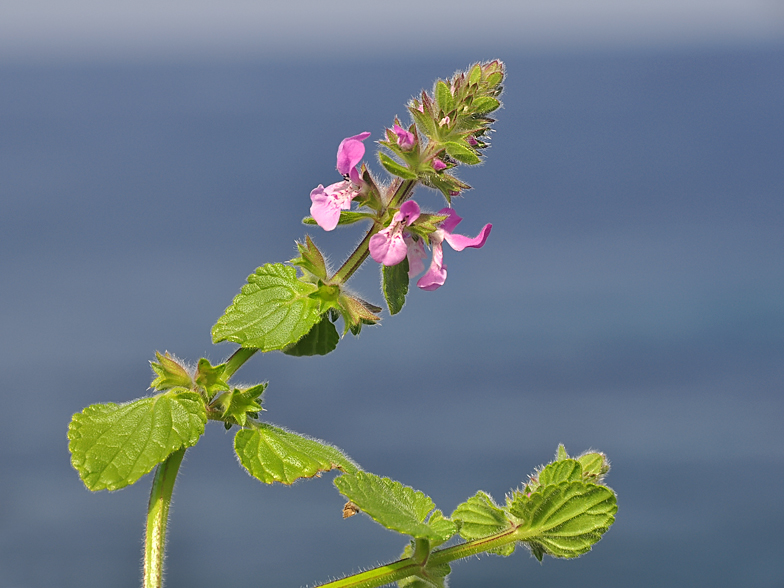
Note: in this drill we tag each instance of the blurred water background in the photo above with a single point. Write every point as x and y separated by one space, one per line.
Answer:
629 299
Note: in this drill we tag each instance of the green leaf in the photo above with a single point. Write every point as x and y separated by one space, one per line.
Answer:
395 506
273 310
595 466
494 79
171 373
479 517
462 153
310 259
425 122
320 340
271 454
565 519
561 453
485 104
357 312
395 285
347 217
566 470
476 74
113 445
444 98
237 404
395 168
210 377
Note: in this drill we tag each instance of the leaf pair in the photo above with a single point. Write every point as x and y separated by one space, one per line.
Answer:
112 445
561 512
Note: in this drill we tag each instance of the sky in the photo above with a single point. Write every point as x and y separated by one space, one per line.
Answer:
110 30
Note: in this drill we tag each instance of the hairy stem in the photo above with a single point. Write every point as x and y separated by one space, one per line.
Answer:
158 518
237 359
360 254
403 568
379 576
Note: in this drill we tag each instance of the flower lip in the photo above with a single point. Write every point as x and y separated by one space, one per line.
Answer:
389 246
350 152
436 274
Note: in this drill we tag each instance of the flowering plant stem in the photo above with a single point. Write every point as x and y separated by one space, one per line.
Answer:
158 518
237 359
561 511
360 254
403 568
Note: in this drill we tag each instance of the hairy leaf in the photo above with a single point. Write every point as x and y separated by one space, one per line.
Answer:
395 168
310 259
272 454
239 403
210 377
595 466
273 310
320 340
462 153
395 285
395 506
565 470
479 517
444 98
170 373
565 519
485 104
113 445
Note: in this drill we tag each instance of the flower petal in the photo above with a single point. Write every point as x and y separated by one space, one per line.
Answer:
388 247
451 221
408 213
328 202
350 152
416 255
460 242
323 209
436 273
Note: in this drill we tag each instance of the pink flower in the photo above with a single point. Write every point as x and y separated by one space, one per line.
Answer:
404 138
328 202
389 245
436 273
350 152
438 165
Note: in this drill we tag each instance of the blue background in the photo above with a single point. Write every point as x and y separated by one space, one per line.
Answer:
629 299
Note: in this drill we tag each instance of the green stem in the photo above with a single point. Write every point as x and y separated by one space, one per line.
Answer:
356 259
379 576
403 568
158 517
237 359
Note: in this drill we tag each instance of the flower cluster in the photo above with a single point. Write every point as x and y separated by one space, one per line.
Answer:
392 244
396 242
450 127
